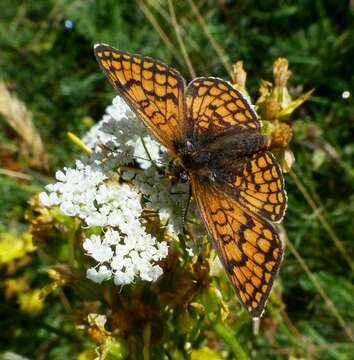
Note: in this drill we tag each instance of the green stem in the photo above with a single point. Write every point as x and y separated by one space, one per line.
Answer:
71 244
226 334
337 242
329 303
147 336
218 49
79 143
180 40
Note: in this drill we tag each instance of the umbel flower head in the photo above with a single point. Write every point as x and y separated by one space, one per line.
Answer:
95 192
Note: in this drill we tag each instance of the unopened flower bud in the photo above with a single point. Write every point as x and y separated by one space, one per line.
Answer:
270 109
281 72
281 136
239 74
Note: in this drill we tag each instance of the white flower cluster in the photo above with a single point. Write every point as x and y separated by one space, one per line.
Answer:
124 251
130 258
123 136
126 138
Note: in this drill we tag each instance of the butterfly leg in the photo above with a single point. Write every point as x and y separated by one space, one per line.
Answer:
187 228
186 208
177 192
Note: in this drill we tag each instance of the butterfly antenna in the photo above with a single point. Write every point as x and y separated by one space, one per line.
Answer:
147 153
153 161
108 149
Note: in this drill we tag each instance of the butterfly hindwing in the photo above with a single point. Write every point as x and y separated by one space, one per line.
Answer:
259 186
154 91
247 245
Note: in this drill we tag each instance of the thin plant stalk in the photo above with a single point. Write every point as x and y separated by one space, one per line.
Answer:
165 15
331 307
155 24
180 40
218 49
147 337
337 242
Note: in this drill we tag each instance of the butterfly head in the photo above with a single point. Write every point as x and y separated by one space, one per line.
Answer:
176 171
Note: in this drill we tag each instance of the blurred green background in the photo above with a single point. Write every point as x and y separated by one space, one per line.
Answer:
46 59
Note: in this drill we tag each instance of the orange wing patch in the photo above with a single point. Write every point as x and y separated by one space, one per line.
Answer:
154 91
214 105
260 186
247 245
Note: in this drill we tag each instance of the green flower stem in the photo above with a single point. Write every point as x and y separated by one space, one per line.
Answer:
147 336
71 244
337 242
71 250
79 143
227 334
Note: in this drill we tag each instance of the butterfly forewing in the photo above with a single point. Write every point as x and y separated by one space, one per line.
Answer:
154 91
247 245
213 106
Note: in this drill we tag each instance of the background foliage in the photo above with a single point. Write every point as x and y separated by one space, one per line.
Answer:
47 60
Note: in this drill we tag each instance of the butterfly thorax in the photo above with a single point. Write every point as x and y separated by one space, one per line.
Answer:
218 153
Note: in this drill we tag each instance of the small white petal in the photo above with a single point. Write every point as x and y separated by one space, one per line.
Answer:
68 208
96 249
59 175
162 249
111 237
102 274
123 278
44 199
104 253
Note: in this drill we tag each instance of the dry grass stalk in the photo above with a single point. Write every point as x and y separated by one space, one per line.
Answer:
19 118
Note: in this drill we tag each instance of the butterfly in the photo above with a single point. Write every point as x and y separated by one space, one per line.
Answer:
213 132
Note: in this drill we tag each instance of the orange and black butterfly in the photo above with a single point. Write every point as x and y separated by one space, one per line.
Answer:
214 134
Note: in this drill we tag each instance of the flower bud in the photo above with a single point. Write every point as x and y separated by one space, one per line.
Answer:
270 109
281 136
239 74
239 77
281 75
281 72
